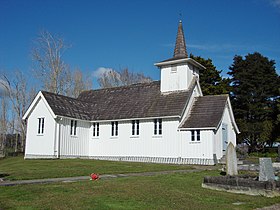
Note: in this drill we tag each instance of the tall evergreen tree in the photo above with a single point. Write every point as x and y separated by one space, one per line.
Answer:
255 89
276 128
210 79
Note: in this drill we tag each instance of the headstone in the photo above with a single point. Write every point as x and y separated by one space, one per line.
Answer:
215 159
266 170
231 160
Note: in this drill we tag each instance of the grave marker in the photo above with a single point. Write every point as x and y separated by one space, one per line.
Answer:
231 160
266 170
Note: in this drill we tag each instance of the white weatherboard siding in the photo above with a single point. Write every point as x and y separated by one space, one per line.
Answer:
202 149
191 73
176 77
74 146
145 145
218 143
170 147
219 136
40 145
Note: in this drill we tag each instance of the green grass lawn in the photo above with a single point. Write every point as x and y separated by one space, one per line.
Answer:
177 191
20 169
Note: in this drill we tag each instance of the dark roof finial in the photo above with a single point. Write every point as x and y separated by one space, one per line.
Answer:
180 50
180 15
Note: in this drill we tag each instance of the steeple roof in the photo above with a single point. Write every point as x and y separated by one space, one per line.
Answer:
180 50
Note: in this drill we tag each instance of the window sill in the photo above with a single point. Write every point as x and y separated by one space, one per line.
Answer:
157 136
95 137
135 137
195 142
114 137
72 136
40 134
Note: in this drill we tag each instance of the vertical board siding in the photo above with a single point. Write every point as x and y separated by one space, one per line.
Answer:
40 145
219 137
197 149
175 80
146 144
179 80
170 147
74 146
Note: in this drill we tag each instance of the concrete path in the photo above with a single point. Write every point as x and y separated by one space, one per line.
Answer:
82 178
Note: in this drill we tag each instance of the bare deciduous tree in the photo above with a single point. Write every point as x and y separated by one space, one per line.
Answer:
123 77
3 124
49 66
79 83
17 92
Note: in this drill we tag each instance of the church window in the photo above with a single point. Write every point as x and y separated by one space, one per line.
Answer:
195 135
73 129
173 69
157 126
41 125
135 127
198 135
114 131
95 129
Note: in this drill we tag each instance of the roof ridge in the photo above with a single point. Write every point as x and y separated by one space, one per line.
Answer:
193 83
124 86
56 94
141 100
211 110
225 94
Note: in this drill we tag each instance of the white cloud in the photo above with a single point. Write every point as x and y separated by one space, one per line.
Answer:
216 47
232 47
275 3
213 47
100 71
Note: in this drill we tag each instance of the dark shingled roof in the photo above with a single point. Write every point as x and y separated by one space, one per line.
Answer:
207 111
133 101
66 106
175 58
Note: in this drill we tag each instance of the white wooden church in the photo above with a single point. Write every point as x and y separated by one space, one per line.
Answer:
166 121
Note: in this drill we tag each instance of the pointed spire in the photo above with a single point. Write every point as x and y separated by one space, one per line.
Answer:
180 50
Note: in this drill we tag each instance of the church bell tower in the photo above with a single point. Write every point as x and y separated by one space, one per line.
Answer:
178 71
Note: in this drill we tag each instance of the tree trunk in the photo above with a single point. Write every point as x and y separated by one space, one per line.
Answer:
16 143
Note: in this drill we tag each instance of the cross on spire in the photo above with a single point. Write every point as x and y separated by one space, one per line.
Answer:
180 50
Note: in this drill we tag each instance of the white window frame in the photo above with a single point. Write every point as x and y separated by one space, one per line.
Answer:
135 128
174 68
195 136
158 127
95 130
41 126
114 128
73 128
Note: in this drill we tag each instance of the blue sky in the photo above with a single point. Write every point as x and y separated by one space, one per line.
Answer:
136 34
